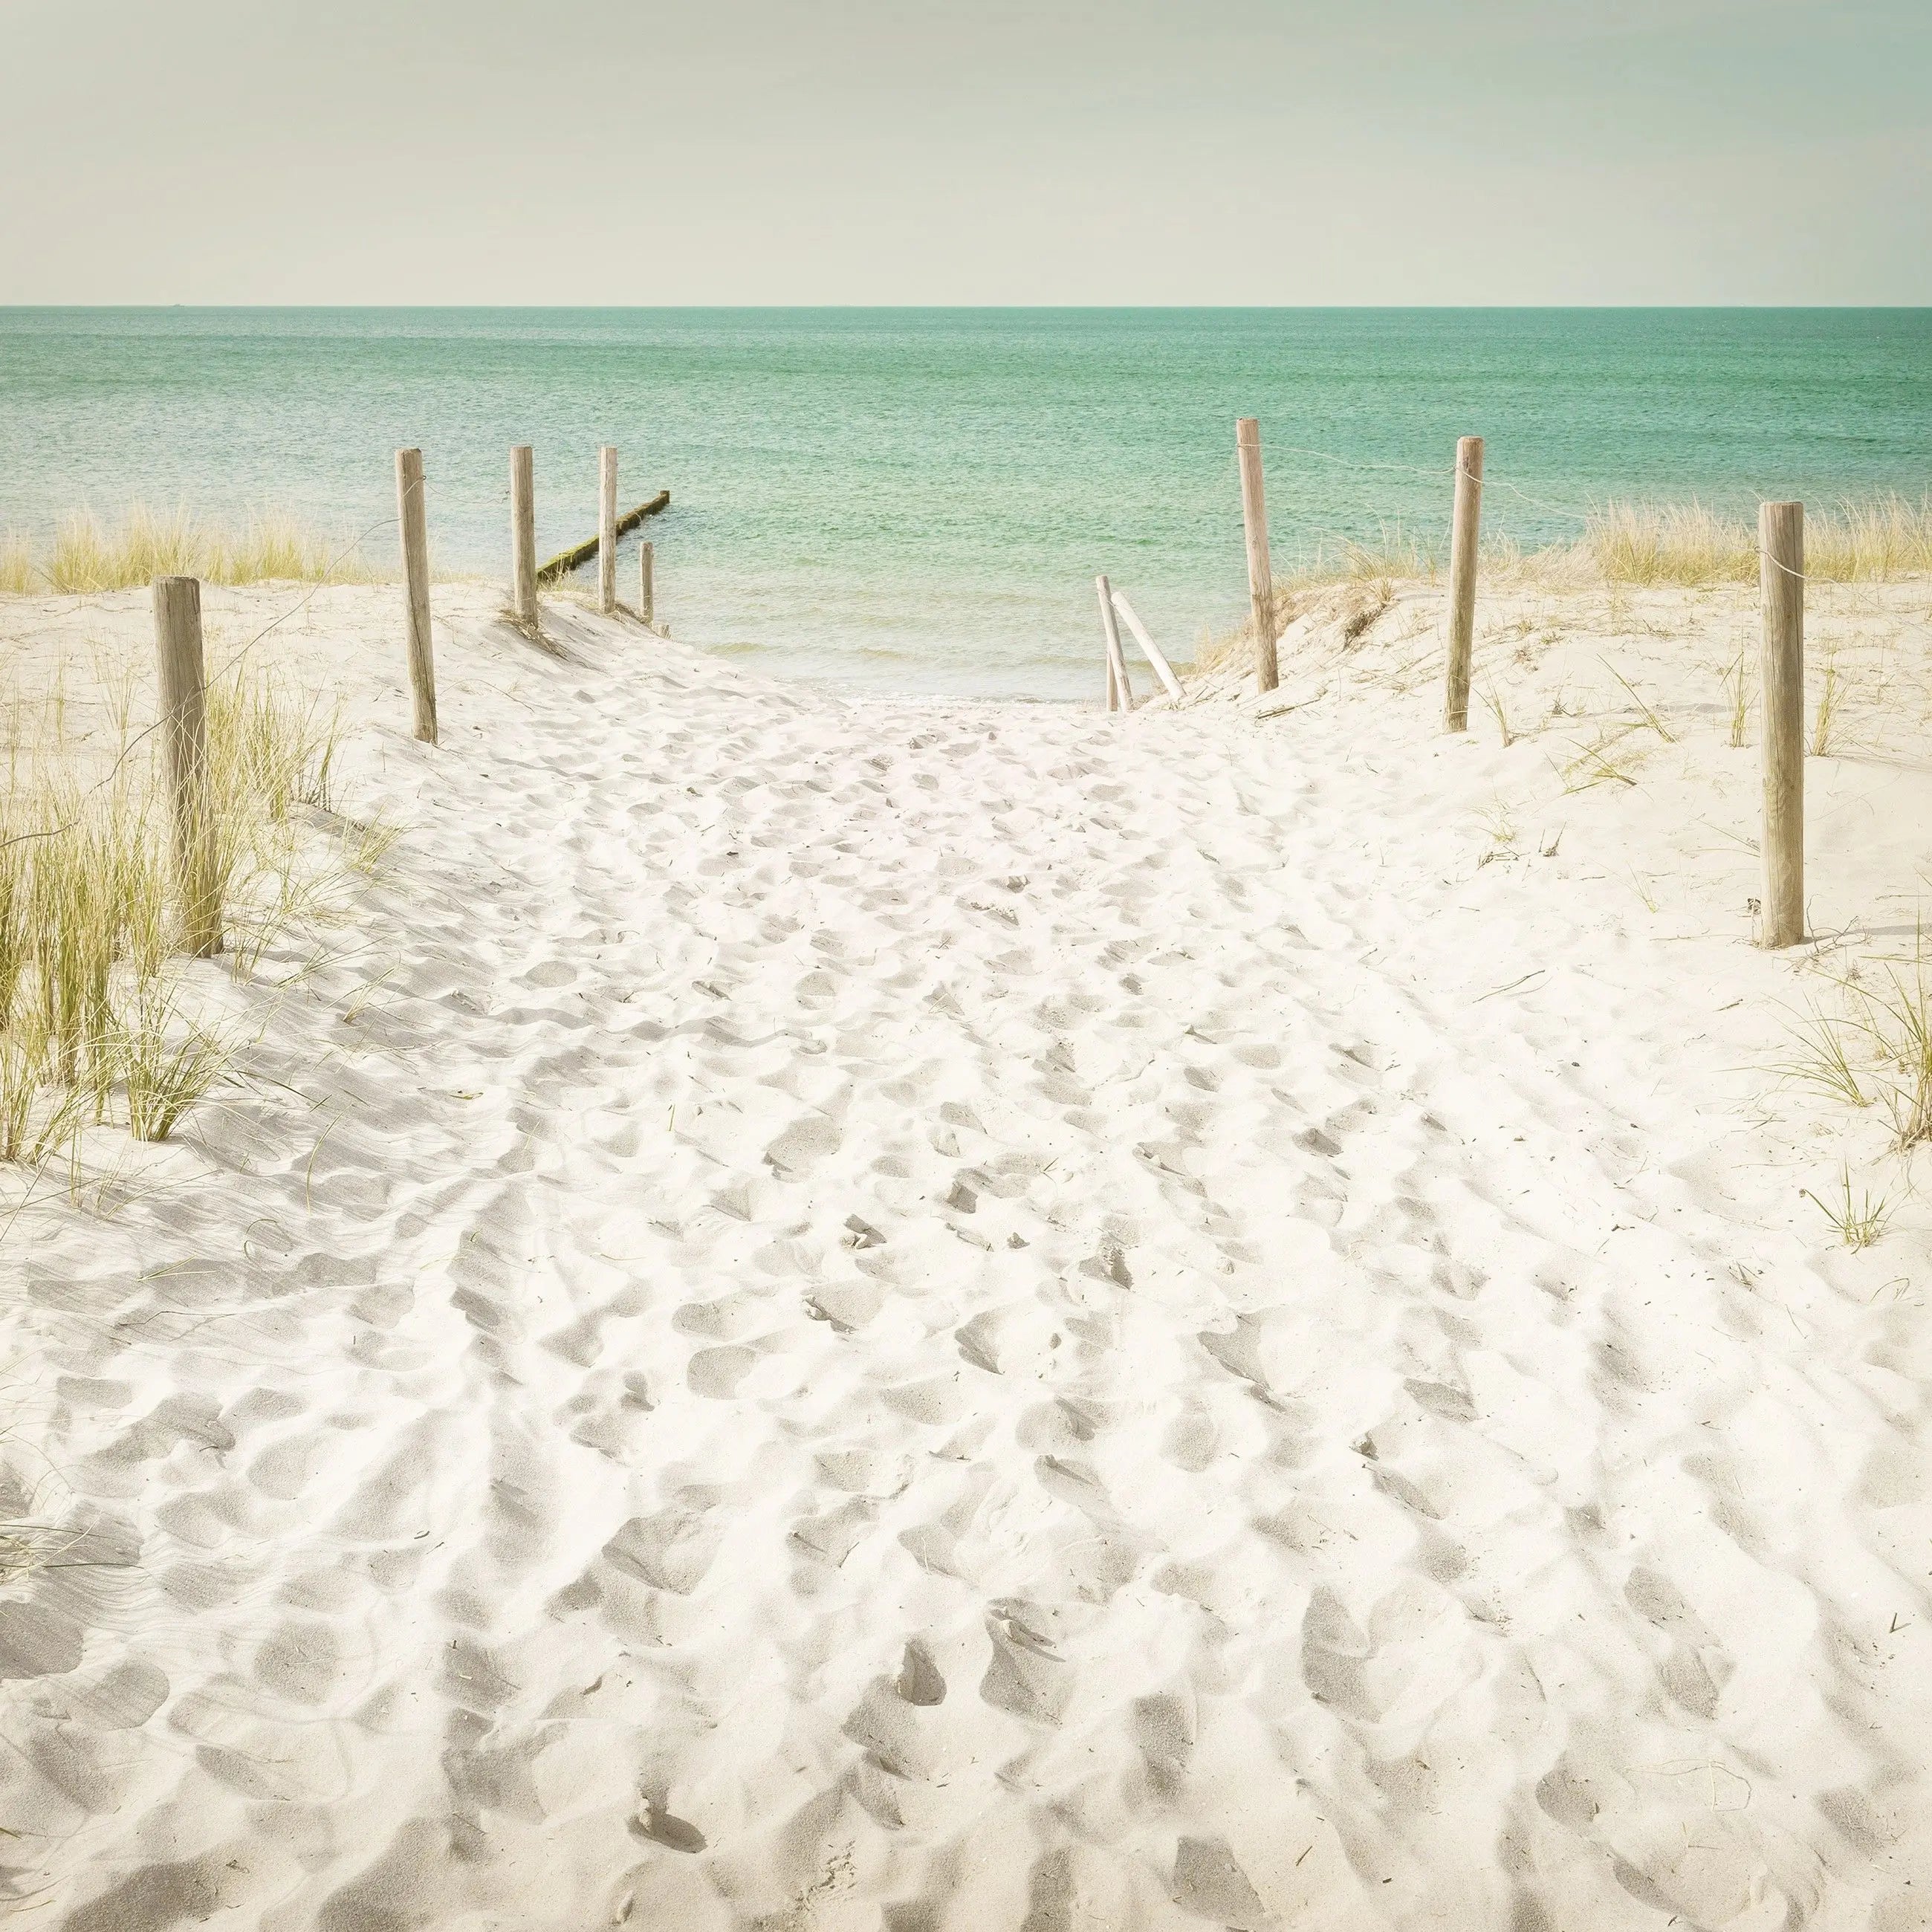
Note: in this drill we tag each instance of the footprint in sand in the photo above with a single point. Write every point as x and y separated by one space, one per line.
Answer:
802 1146
1027 1675
663 1827
298 1661
1210 1884
1699 1666
919 1680
37 1641
716 1372
671 1550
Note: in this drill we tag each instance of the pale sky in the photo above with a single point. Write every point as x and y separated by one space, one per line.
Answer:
1227 151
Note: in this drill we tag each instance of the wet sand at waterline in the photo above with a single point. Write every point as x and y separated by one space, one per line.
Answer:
814 1313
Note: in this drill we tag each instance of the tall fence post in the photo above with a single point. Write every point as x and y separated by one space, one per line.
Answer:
1464 547
607 528
524 535
414 519
1780 536
1261 579
647 592
184 737
1120 693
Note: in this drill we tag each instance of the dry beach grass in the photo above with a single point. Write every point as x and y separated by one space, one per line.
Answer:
1879 539
92 1032
86 555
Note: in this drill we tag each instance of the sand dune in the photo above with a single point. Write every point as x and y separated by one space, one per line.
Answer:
932 1316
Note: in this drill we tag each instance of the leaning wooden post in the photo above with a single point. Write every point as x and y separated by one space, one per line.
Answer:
647 595
524 536
607 528
415 521
1781 538
1155 656
1465 533
184 737
1261 579
1120 692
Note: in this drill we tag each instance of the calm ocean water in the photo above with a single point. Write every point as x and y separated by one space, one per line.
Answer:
918 500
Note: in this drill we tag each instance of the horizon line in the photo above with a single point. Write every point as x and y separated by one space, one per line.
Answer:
1007 308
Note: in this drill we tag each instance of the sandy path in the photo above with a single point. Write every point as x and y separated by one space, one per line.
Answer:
942 1316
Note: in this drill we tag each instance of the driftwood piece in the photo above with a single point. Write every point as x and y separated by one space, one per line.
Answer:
565 561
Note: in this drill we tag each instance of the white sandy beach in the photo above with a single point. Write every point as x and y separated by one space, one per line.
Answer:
942 1317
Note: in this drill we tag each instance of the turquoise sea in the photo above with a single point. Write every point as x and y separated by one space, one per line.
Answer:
918 500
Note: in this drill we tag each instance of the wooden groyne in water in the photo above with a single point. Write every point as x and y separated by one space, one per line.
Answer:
565 561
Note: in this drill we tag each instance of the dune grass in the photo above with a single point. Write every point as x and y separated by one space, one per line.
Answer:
86 555
1393 556
1874 540
16 563
1359 590
1875 1047
1870 540
93 1027
1859 1221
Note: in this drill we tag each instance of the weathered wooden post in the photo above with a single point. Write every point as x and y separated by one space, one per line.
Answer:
1155 656
607 528
647 600
1464 542
1261 579
1120 693
1113 698
411 514
184 738
524 536
1781 537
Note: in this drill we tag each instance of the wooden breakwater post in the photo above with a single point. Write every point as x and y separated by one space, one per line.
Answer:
607 528
413 518
524 536
184 682
1780 542
647 589
1464 542
1261 579
1120 693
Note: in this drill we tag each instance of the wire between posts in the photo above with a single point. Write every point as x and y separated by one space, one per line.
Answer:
1584 518
1434 474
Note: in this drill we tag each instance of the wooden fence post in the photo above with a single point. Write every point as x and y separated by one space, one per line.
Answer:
607 528
647 595
415 521
524 536
1120 693
1261 579
1464 534
1780 536
1155 656
184 737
